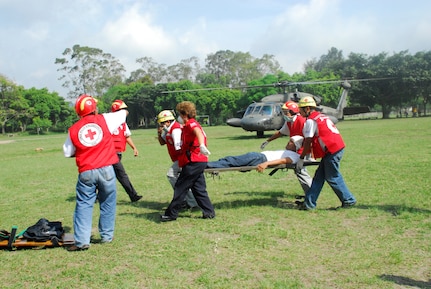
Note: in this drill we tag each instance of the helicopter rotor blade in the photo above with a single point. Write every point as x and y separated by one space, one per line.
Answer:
283 84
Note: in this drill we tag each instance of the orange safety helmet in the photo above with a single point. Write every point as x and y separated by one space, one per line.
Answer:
117 105
290 105
85 104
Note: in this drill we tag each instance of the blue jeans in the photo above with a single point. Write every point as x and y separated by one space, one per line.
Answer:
329 170
248 159
101 184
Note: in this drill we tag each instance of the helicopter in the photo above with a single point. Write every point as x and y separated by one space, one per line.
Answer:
267 114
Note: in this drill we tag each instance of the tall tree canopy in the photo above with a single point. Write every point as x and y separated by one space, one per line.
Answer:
89 70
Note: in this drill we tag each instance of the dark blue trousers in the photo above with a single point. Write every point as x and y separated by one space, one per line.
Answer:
191 177
123 178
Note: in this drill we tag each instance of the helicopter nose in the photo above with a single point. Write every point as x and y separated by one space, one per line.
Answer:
252 124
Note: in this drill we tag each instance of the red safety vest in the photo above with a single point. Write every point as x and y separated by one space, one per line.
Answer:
120 138
190 151
296 128
328 134
173 153
93 142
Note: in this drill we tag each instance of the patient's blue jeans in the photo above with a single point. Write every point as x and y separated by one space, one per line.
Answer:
248 159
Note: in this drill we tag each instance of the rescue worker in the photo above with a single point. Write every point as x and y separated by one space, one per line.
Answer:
90 141
323 138
293 125
192 161
169 133
122 135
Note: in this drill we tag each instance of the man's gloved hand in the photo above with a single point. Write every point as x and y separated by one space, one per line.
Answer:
204 150
299 165
264 144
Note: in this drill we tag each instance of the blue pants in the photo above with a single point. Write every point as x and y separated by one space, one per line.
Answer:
248 159
191 177
329 170
98 183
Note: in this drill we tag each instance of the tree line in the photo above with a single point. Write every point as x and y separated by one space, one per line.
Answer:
226 84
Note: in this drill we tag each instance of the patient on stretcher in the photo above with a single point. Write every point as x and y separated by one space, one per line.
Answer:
264 159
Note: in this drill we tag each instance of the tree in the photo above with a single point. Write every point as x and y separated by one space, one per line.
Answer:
48 106
238 68
89 70
12 103
139 98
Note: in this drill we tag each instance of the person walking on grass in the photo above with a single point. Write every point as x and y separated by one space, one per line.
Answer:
122 136
169 133
193 161
90 141
323 138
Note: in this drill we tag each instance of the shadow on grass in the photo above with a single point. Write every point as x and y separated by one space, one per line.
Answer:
400 280
145 204
394 210
269 199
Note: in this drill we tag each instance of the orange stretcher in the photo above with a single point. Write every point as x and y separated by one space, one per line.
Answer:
17 242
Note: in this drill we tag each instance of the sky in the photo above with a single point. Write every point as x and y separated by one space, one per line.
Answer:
33 33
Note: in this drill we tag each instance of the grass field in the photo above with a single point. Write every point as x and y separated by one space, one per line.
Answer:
257 240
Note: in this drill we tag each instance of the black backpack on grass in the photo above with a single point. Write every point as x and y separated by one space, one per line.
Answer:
44 230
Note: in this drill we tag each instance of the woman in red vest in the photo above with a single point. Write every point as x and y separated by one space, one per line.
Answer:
193 160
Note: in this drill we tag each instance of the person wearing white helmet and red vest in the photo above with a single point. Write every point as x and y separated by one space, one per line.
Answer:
90 141
293 125
169 133
323 138
193 161
122 136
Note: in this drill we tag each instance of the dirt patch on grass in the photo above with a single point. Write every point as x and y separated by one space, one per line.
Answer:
6 141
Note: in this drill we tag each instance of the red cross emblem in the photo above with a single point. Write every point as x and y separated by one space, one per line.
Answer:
90 134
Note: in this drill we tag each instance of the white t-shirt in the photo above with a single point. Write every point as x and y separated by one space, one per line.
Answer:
276 155
176 136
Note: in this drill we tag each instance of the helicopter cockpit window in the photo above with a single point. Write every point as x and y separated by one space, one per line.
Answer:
278 110
249 110
266 110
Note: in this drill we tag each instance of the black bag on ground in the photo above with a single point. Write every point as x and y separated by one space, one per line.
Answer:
44 230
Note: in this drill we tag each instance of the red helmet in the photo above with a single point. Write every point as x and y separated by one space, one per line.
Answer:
117 105
85 104
291 105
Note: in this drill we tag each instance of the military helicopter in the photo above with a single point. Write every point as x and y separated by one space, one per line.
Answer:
267 114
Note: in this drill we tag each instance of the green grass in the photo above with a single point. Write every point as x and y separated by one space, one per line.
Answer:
258 239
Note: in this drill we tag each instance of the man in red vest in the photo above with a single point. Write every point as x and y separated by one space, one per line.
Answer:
293 125
122 135
90 142
323 138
